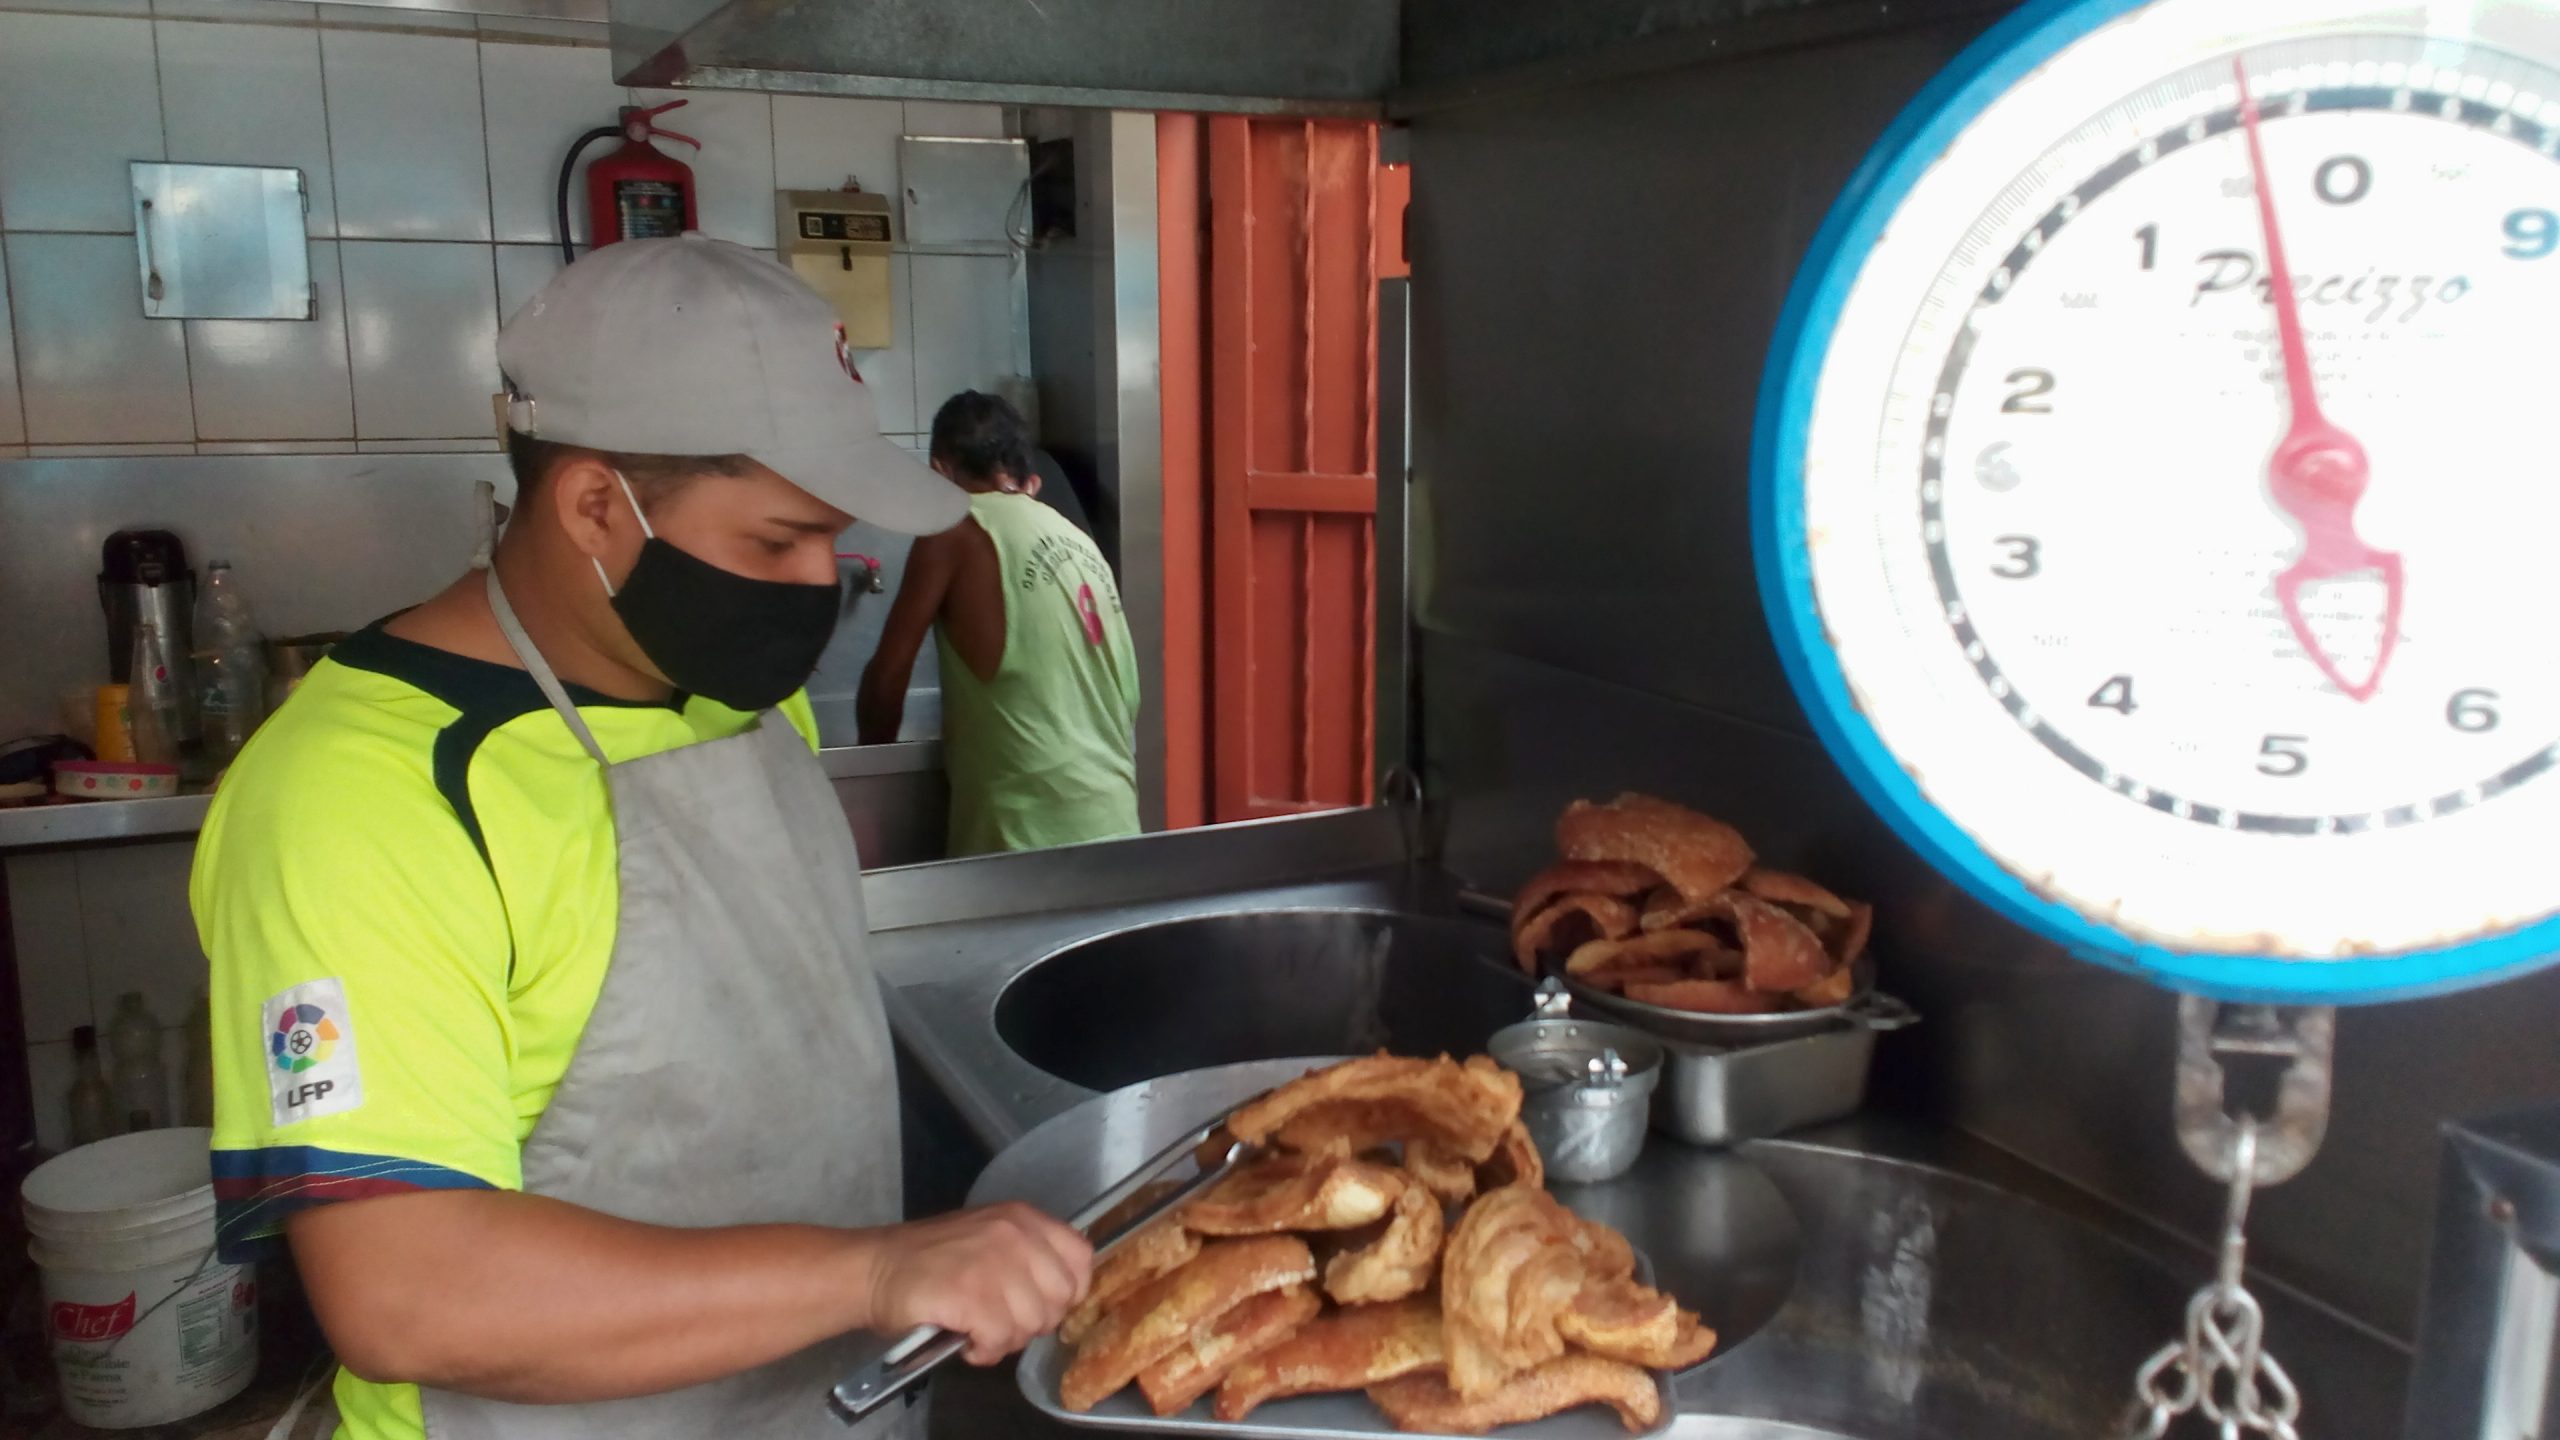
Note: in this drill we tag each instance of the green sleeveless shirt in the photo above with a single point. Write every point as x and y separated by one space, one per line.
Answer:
1044 754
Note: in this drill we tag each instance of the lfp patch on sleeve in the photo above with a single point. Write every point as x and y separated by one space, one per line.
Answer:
310 1040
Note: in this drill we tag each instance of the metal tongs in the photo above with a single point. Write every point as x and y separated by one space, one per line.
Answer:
921 1351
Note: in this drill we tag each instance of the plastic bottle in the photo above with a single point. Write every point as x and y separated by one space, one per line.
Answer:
198 1080
141 1077
153 701
92 1102
230 668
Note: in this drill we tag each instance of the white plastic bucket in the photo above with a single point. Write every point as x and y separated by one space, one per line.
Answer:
146 1326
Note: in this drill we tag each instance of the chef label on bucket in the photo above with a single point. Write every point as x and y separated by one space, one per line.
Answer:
519 909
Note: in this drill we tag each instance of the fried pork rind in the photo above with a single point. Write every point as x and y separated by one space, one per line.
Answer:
1668 909
1443 1171
1524 1279
1833 989
1162 1247
1706 997
1161 1315
1201 1362
1428 1403
1568 922
1694 854
1515 1161
1848 940
1780 888
1606 1255
1347 1350
1778 953
1597 960
1498 1282
1358 1104
1623 1320
1286 1191
1398 1263
1616 879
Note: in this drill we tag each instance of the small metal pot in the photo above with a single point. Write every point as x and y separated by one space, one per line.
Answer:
1590 1092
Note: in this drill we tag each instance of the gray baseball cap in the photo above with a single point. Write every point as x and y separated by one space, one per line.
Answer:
694 346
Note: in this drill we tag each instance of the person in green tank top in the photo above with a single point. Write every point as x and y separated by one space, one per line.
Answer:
1039 680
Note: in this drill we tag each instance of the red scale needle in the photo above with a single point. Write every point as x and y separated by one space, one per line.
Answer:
2318 472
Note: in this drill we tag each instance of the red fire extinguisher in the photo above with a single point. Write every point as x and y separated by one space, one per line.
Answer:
638 191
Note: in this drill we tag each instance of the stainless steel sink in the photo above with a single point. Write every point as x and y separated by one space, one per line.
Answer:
1219 989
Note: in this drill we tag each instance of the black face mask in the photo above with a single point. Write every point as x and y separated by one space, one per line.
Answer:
744 642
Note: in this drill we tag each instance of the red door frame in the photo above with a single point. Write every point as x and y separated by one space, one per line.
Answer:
1293 489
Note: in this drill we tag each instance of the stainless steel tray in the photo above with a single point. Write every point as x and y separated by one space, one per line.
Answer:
1718 1096
1866 1008
1306 1417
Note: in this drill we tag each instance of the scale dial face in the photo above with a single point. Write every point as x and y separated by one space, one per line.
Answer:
2159 490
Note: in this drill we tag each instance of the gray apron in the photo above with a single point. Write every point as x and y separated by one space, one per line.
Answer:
736 1068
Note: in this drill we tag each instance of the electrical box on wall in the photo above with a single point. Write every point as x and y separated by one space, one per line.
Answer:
838 241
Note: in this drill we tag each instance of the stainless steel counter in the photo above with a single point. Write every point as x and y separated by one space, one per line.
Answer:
1940 1287
94 822
945 975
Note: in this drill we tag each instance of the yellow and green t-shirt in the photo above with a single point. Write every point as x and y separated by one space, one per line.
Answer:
407 887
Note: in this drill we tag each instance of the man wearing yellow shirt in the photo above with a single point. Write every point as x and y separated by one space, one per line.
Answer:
543 1026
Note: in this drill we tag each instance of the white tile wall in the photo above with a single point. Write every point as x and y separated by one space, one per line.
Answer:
126 448
422 336
276 379
818 141
413 126
93 370
271 447
972 347
540 99
13 425
53 969
83 7
137 929
249 95
369 15
405 135
91 925
272 12
523 269
530 27
733 176
49 1081
466 445
78 100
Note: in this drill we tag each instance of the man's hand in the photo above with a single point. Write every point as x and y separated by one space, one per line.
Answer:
881 704
1000 1276
520 1297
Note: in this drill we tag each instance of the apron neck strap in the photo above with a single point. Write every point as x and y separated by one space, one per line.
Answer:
539 668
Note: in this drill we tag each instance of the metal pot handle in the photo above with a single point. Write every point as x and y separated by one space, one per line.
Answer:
1880 1012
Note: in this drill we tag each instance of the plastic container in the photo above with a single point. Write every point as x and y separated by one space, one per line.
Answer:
230 667
147 1327
141 1076
113 780
90 1100
152 705
113 723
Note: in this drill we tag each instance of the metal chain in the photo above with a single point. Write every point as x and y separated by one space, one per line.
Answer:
2220 1366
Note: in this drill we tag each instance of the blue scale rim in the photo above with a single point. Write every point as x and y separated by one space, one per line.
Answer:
1985 71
